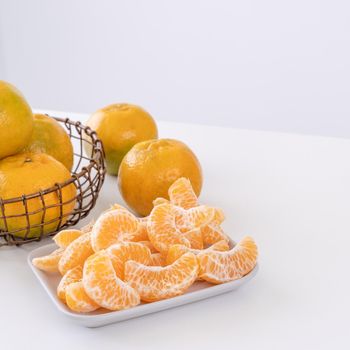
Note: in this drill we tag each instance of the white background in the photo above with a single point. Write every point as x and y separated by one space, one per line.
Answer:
274 65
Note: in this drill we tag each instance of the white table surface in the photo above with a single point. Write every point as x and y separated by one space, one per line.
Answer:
290 192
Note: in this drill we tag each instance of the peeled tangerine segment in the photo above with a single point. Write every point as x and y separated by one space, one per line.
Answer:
104 287
77 299
162 230
71 276
157 259
49 263
219 267
194 236
76 253
120 253
65 237
113 226
178 250
181 193
213 233
156 283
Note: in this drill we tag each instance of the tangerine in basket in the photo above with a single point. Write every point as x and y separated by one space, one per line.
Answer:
29 173
49 137
150 167
16 120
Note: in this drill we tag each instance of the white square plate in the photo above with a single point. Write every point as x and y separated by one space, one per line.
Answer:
198 291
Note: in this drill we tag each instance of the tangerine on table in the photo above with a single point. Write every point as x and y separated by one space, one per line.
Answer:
104 287
120 126
156 283
150 167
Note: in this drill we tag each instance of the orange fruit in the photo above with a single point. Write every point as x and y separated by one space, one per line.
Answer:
182 194
177 250
76 253
120 253
71 276
149 245
77 299
49 263
120 127
65 237
16 120
157 260
113 227
220 267
150 167
49 137
29 173
156 283
104 287
162 230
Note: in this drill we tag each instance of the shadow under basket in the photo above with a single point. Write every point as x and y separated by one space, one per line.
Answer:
87 178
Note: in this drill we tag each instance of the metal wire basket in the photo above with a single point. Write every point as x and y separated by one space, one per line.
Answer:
87 177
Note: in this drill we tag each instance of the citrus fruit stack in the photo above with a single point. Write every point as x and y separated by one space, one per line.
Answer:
35 154
121 260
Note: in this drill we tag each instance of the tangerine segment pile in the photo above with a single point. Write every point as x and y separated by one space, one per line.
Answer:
119 259
104 287
156 283
220 267
112 227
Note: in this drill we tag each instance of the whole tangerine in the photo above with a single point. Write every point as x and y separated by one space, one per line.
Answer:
150 167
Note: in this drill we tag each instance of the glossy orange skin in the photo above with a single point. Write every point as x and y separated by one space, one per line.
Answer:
16 120
28 173
49 137
150 167
120 127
